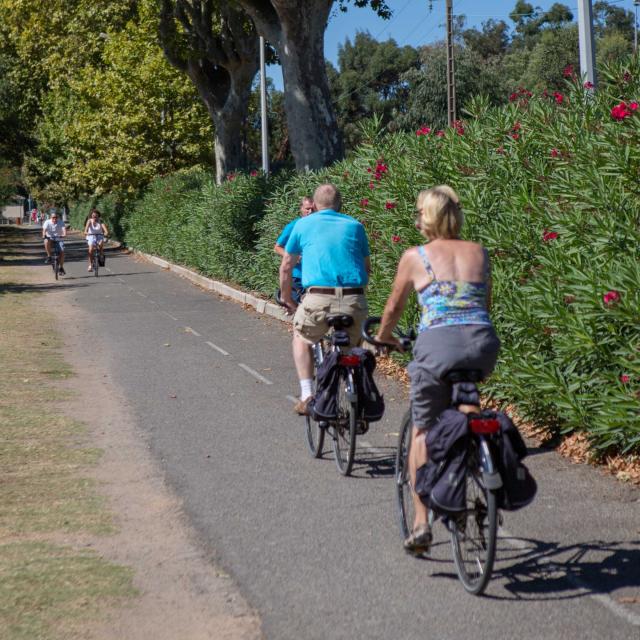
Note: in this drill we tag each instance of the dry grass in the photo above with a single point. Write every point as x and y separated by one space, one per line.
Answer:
46 590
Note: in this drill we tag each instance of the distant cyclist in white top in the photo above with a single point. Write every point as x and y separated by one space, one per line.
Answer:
54 228
95 231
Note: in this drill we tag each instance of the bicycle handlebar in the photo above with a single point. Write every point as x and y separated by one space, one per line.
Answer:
406 339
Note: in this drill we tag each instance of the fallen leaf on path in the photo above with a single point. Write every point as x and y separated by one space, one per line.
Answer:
173 395
166 344
629 600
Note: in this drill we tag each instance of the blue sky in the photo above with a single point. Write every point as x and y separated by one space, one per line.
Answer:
413 24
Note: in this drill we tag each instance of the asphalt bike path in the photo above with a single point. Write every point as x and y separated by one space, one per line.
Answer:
316 554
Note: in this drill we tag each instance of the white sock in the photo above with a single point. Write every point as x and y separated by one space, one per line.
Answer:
306 388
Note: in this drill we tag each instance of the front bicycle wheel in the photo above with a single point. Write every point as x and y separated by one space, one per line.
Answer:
344 431
96 262
55 266
315 437
474 533
404 491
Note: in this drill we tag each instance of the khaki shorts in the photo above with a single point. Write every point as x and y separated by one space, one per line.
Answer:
310 319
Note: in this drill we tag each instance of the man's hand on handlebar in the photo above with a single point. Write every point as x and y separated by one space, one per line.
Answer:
390 342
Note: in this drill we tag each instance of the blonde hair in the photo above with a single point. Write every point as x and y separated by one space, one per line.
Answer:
440 213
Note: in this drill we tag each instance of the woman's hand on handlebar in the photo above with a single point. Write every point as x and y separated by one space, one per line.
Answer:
390 342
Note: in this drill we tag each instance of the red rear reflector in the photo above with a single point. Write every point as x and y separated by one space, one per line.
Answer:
484 425
349 361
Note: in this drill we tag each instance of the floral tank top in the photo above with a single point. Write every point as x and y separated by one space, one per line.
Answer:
451 302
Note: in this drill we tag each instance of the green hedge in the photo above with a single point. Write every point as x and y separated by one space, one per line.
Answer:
549 184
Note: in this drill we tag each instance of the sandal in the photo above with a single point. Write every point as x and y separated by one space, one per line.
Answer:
419 541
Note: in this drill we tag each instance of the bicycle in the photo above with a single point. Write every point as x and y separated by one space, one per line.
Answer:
348 424
95 259
473 531
55 258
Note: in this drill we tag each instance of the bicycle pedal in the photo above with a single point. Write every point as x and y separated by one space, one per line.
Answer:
362 428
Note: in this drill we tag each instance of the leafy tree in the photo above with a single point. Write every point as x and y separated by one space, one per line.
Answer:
370 82
493 40
216 45
296 30
608 18
427 96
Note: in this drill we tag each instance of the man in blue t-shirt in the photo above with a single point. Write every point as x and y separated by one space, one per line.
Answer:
335 271
306 207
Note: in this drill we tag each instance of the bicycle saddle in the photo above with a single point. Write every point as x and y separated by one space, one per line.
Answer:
339 321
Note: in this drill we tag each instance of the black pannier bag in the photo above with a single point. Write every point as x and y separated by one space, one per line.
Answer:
441 482
371 401
518 486
324 405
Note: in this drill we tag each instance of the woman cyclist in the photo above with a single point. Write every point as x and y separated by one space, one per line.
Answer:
95 231
452 279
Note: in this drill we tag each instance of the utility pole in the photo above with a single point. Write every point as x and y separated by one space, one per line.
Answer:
263 110
451 80
635 24
586 42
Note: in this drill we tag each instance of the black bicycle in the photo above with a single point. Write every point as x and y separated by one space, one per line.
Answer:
348 423
97 260
55 258
473 531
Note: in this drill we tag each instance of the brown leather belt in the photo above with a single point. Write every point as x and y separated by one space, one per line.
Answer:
332 290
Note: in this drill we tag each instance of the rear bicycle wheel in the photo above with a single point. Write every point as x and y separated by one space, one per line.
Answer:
344 430
474 533
315 437
404 491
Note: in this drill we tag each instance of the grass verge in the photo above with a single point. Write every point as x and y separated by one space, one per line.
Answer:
46 590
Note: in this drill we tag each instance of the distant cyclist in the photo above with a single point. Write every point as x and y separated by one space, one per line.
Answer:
95 231
306 207
452 279
54 228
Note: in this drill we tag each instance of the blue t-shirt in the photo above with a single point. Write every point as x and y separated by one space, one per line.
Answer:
282 240
333 247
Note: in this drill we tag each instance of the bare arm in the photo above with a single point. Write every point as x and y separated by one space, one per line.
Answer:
279 250
402 286
286 268
104 228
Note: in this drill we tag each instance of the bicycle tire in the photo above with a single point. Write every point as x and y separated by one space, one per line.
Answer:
96 262
404 493
473 540
315 437
344 429
56 267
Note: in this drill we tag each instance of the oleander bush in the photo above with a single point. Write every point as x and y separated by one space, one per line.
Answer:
549 184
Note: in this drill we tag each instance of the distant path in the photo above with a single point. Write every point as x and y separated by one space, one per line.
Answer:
318 555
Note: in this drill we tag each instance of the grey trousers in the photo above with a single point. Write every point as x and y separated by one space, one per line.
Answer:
440 350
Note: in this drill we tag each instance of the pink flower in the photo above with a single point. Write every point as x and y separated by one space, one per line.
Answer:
254 173
633 106
611 297
549 235
513 97
459 127
369 169
588 85
622 111
554 153
372 185
515 136
364 202
558 97
626 77
395 239
567 72
440 133
500 149
423 131
389 205
624 378
516 127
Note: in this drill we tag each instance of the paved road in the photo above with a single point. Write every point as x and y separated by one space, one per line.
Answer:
319 555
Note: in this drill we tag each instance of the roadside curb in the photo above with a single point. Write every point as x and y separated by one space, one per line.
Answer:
260 305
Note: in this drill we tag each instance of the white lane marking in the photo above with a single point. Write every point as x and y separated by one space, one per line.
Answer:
254 373
169 315
605 600
120 280
193 331
107 268
217 348
142 295
291 399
